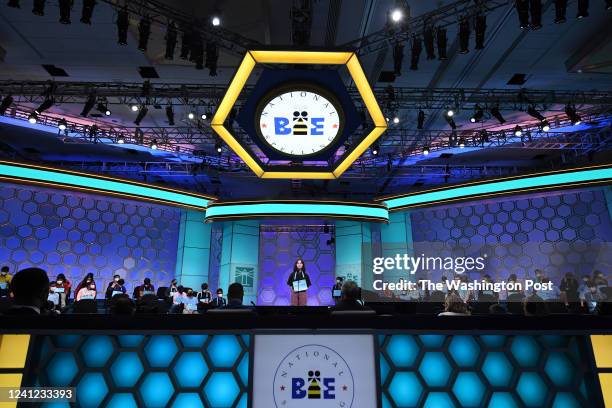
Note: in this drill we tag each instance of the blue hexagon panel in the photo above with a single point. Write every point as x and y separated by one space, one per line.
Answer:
556 232
486 371
278 251
77 233
145 371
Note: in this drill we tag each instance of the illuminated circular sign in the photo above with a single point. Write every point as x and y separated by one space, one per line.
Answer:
299 120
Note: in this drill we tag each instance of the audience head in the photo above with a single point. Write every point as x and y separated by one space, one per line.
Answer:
339 280
496 308
30 287
487 278
235 293
220 292
205 286
122 306
147 281
586 279
538 272
512 277
180 289
4 270
189 292
454 304
350 291
534 306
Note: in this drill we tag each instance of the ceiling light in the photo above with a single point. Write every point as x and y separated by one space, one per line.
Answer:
480 27
144 31
375 149
154 144
191 115
464 36
396 15
532 111
461 143
170 115
451 122
426 151
171 39
478 114
123 22
64 8
33 118
134 108
415 55
497 115
62 124
450 113
104 109
120 140
203 116
396 120
47 103
545 125
560 11
216 21
518 131
420 119
441 42
218 147
87 11
91 101
38 8
583 9
141 115
572 115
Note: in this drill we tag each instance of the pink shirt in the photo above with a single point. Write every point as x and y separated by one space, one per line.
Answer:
85 292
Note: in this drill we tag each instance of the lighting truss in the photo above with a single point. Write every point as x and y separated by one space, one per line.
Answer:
202 94
160 13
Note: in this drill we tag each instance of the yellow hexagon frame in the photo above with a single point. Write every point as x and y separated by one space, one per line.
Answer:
299 57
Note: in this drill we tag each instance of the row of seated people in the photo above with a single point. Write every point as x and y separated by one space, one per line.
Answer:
31 293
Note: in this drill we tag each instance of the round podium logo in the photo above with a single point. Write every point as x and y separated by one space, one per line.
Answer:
313 376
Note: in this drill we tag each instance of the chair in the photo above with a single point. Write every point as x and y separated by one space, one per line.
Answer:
85 306
162 292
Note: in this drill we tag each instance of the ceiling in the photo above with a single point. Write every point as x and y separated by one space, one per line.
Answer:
570 56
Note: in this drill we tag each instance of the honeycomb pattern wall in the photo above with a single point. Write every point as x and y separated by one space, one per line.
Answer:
76 233
277 254
497 371
124 371
557 232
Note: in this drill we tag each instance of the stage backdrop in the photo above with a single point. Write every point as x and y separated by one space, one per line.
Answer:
557 232
76 233
279 247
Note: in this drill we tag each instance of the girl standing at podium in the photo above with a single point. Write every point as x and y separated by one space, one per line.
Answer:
298 291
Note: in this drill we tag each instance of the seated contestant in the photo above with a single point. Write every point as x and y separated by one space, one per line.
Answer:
119 289
87 280
87 292
53 298
30 288
337 290
553 294
219 301
111 287
62 287
349 300
592 297
299 282
464 294
235 297
172 289
204 296
145 289
454 306
5 281
177 299
599 279
487 295
190 302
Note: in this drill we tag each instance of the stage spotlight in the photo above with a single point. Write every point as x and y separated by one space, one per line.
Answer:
464 36
46 104
441 41
497 114
481 29
545 126
572 115
204 116
120 139
33 118
518 131
375 149
123 22
426 151
13 3
154 144
522 8
398 58
396 120
5 104
560 11
87 12
141 115
38 8
191 115
144 31
62 124
64 8
103 109
134 107
428 40
535 7
171 36
415 53
396 15
583 9
462 143
91 102
534 113
451 122
450 112
478 114
218 147
215 20
170 115
420 119
212 57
